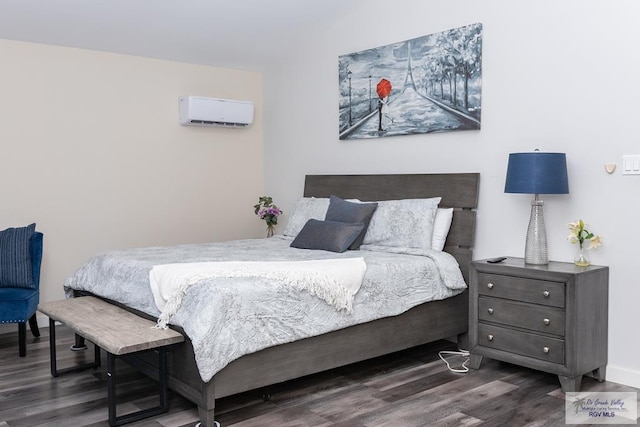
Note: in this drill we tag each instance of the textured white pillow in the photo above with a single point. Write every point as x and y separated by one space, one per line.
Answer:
441 227
406 223
306 208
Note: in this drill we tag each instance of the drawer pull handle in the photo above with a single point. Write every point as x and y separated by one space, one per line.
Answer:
490 285
490 310
545 350
546 294
546 321
490 337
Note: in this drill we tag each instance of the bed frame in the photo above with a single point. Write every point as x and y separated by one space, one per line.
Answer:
420 325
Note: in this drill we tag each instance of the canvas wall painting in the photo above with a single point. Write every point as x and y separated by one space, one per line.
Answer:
427 84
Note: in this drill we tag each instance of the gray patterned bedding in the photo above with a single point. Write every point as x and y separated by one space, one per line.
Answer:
226 318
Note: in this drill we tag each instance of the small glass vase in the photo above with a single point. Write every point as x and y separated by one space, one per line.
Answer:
581 260
270 229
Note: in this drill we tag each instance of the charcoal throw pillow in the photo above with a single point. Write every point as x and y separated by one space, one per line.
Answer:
343 211
327 235
15 257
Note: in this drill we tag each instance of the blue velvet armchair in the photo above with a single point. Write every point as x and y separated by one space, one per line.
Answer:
19 304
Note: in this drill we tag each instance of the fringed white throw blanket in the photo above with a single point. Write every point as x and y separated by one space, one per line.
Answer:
335 281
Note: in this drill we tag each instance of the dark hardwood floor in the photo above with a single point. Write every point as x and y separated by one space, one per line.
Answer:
410 388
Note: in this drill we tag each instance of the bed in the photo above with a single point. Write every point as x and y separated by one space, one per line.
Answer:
323 350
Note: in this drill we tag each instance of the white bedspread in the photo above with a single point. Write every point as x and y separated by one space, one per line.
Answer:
228 317
336 281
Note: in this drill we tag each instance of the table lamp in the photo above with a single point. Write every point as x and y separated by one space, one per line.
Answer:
537 173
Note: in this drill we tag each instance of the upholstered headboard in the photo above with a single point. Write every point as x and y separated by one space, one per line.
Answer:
458 191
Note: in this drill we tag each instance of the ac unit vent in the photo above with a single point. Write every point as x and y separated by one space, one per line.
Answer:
201 111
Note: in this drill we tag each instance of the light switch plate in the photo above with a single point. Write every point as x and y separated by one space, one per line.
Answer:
631 164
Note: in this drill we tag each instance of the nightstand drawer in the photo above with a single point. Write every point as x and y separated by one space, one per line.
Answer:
521 289
528 316
523 343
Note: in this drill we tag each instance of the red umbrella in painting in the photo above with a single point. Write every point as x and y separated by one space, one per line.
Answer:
384 89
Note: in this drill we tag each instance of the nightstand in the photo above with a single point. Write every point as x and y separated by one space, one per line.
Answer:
552 318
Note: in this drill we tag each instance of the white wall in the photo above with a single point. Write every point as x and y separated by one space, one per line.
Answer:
92 152
559 76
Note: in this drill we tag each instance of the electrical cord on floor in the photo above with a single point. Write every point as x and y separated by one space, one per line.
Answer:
463 353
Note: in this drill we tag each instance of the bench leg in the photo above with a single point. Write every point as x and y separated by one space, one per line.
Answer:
163 406
53 355
80 344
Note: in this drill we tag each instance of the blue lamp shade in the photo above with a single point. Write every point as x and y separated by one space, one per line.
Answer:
537 173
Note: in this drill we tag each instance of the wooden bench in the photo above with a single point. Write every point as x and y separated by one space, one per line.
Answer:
118 332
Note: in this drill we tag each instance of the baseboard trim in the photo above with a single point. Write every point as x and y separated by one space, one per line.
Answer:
624 376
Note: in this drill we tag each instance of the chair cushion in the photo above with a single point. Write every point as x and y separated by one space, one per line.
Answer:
15 257
17 304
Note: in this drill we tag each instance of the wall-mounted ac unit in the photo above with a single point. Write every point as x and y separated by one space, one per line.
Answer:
200 111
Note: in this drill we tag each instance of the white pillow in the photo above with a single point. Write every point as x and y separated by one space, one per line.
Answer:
306 208
406 223
441 227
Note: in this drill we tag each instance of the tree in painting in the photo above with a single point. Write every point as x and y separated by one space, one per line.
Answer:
456 61
436 82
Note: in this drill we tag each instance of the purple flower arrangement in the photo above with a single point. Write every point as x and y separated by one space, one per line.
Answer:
270 214
267 211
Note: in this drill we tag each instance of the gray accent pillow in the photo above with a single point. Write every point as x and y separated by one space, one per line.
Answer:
343 211
327 235
15 257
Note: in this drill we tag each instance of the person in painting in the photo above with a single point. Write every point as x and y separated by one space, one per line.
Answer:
384 89
384 114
